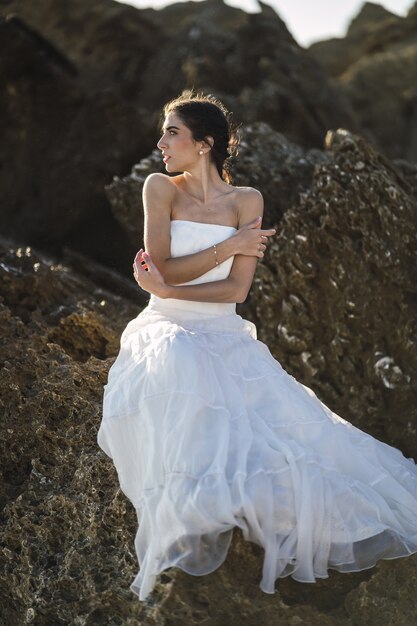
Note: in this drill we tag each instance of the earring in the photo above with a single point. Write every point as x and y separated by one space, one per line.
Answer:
200 152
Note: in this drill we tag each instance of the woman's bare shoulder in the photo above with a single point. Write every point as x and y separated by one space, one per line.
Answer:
159 180
248 193
250 204
248 196
158 189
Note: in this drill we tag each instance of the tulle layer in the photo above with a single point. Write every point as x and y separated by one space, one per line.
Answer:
208 432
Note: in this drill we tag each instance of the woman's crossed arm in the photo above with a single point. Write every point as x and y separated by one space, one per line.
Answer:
249 240
234 288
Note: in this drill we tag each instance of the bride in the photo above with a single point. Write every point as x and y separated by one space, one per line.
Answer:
205 428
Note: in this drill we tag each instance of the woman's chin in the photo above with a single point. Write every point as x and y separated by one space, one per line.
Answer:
169 168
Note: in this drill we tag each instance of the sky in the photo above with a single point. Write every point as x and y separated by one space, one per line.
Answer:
307 20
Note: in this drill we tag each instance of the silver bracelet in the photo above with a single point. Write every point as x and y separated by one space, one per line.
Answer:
215 253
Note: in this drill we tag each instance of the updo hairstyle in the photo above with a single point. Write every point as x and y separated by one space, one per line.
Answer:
206 115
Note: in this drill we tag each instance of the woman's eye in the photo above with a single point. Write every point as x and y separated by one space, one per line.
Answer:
173 132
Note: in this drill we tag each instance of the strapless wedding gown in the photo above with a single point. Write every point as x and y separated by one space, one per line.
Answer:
208 432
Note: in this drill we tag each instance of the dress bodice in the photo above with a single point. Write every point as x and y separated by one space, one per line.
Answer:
188 237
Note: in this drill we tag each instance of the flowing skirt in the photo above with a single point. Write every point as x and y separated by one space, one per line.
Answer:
208 432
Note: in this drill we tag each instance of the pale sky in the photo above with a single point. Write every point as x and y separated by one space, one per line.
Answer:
307 20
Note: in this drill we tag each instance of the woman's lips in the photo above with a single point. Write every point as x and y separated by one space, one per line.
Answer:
165 159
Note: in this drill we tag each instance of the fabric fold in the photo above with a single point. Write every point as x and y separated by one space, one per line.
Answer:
208 432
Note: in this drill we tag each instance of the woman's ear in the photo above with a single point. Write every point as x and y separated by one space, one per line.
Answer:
209 140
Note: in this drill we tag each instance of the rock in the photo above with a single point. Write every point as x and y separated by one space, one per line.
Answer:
265 75
409 173
59 333
336 292
59 149
339 53
125 196
335 301
375 600
334 298
82 104
375 65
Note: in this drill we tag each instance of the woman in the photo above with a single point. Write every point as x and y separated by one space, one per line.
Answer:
206 430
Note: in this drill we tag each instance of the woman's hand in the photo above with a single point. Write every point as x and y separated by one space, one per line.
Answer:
148 276
251 240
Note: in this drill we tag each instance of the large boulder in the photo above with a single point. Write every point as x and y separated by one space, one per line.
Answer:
338 290
82 103
375 66
335 301
338 53
251 61
58 149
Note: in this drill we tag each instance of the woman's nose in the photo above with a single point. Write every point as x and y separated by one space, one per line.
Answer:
161 144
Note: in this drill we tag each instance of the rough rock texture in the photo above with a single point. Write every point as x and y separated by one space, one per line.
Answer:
375 65
342 275
82 105
335 299
59 148
251 61
338 53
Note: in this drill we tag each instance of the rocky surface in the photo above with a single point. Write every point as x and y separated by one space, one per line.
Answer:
335 299
82 104
338 53
251 61
59 149
375 66
343 270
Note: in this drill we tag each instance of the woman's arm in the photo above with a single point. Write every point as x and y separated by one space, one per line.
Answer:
157 199
234 288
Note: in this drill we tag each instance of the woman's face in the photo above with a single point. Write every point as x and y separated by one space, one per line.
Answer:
178 147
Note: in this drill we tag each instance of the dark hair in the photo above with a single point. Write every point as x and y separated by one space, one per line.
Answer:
205 115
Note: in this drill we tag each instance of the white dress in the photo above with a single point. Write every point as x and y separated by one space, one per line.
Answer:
207 432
